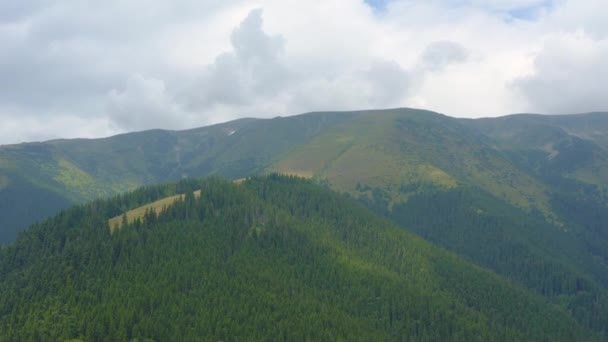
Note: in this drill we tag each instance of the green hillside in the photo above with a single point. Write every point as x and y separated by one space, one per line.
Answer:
572 147
76 171
464 188
395 149
386 149
569 155
524 196
272 258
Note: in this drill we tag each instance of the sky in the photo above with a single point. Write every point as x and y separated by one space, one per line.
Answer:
97 68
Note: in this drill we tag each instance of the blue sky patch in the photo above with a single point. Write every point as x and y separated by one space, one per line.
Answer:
532 12
378 5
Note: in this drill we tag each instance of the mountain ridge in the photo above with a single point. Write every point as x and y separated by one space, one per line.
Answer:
527 200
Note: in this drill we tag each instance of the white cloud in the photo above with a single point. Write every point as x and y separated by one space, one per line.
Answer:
132 65
442 53
144 104
507 5
252 69
570 75
18 126
580 15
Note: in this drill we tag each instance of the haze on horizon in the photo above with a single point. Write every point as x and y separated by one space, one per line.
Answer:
89 69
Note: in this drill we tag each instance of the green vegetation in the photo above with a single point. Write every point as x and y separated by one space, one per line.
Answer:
85 169
384 149
391 149
525 248
524 196
139 213
21 201
274 258
573 147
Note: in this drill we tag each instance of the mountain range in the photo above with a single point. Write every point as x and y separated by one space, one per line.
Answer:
508 157
524 197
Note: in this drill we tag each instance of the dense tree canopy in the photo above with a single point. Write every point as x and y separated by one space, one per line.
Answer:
274 258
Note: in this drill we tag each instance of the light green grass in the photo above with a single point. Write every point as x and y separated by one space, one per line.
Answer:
71 176
138 213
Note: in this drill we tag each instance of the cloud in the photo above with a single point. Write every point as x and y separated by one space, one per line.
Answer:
254 77
509 5
569 75
239 77
439 54
188 63
17 126
387 83
381 84
144 104
572 16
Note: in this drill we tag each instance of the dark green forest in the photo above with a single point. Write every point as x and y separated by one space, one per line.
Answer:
272 258
521 246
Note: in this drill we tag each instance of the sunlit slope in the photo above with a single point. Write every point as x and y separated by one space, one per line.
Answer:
272 258
394 150
139 213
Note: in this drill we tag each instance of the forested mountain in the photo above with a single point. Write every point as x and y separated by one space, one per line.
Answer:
270 258
525 196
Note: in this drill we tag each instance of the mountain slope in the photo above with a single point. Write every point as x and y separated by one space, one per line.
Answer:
272 258
569 155
459 187
521 195
75 171
380 149
397 148
572 147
